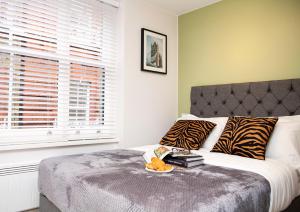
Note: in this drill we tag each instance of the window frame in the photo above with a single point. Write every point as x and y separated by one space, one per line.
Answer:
51 137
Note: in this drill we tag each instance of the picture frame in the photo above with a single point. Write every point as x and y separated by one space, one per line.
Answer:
153 51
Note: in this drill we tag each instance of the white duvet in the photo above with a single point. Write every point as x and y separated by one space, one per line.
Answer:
283 179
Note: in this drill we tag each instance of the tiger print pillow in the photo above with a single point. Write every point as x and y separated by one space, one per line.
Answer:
188 134
246 137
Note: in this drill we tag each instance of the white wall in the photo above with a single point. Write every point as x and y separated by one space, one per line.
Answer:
150 100
149 104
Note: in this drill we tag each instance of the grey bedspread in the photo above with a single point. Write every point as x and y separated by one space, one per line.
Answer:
113 181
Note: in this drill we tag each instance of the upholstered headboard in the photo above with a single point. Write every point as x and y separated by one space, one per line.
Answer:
269 98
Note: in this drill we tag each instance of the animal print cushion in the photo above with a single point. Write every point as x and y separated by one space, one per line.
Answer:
188 134
245 136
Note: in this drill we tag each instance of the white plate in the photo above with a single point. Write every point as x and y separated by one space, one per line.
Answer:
151 170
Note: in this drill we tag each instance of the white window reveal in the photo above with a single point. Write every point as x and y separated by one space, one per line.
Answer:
57 71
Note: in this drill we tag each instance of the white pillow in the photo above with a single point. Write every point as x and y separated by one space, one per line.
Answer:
295 118
284 143
214 134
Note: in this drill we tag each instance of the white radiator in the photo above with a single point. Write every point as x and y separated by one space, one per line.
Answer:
19 179
19 187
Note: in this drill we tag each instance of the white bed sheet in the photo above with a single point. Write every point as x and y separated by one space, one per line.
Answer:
283 179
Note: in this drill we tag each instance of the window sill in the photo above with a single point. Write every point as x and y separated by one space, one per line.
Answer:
11 147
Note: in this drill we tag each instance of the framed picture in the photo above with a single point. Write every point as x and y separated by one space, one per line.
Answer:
154 52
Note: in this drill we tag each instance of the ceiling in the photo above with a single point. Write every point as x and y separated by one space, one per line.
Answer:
183 6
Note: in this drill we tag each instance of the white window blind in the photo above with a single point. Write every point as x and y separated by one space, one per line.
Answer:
57 70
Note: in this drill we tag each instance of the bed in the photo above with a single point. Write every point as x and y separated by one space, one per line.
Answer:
115 180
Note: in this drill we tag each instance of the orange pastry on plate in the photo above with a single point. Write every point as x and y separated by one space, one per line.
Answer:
157 165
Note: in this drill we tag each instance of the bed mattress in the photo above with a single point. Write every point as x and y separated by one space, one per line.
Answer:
283 178
116 180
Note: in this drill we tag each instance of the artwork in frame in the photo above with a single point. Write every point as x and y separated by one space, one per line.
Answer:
154 51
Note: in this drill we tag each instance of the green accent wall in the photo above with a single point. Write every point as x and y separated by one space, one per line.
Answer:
238 41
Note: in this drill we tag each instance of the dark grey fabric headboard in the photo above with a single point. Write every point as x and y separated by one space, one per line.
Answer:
269 98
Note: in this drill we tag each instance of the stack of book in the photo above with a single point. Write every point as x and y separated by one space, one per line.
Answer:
186 161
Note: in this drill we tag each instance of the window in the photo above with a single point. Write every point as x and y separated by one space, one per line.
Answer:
57 70
79 103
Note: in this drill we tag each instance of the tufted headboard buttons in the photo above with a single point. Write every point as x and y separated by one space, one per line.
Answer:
268 98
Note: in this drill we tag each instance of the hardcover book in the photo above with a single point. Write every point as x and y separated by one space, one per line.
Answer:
192 157
182 162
